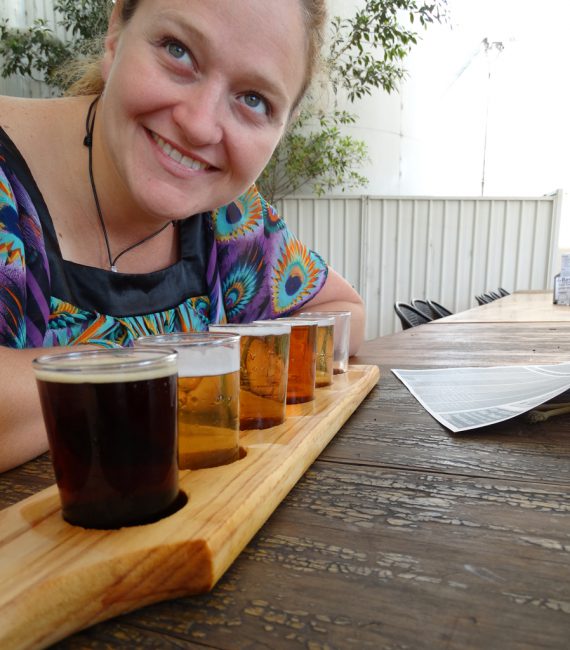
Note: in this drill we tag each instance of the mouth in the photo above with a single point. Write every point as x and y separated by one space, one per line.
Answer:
178 156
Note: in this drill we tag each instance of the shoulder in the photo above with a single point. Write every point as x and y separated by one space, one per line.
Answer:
249 217
18 115
36 125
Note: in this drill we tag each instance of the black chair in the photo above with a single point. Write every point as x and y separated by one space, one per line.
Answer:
490 297
482 299
410 316
495 295
439 309
425 308
503 292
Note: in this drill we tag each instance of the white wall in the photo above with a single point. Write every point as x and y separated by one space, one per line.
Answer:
432 137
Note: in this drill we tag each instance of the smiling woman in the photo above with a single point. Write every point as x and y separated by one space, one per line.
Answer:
130 208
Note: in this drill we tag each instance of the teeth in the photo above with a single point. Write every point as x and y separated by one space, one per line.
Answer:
177 155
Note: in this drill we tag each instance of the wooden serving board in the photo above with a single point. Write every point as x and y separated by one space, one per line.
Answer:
56 579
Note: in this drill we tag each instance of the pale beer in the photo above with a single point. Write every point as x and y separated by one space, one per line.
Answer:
208 396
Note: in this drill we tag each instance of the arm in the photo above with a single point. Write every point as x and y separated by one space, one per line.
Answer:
338 295
22 432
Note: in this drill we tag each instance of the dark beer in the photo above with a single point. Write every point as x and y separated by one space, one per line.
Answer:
113 445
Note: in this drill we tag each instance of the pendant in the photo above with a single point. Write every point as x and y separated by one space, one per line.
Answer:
114 269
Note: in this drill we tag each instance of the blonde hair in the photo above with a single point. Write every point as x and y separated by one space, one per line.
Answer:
83 77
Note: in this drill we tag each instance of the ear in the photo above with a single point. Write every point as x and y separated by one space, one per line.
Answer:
111 39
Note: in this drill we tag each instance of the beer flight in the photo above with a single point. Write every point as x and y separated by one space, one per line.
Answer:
122 421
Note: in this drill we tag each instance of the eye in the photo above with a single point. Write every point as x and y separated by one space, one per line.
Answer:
256 103
177 51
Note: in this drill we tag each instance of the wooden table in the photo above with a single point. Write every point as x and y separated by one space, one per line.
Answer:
401 535
519 307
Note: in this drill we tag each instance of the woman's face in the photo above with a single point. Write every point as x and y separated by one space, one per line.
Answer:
197 96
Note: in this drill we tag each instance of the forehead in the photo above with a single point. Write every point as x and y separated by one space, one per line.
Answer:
258 37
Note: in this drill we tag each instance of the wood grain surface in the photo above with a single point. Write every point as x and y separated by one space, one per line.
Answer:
519 307
402 535
57 578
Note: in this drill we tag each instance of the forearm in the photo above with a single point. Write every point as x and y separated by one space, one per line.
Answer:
22 432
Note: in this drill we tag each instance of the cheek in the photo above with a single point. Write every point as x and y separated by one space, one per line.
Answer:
253 153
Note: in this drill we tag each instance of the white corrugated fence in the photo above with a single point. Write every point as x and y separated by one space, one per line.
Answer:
447 249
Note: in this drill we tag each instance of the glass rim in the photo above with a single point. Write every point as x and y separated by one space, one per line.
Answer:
294 321
325 313
323 319
186 339
281 328
111 359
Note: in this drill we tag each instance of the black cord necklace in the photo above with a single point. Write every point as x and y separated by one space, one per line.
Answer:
88 142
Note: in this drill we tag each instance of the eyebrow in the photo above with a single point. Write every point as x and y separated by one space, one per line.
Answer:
255 79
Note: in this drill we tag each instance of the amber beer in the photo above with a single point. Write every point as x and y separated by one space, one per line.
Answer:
110 417
264 352
341 337
208 396
325 346
302 359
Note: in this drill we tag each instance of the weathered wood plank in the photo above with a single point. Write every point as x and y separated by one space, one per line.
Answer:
376 558
465 344
58 578
26 480
380 433
520 307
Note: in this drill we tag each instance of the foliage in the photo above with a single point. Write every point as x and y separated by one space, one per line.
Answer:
364 52
37 52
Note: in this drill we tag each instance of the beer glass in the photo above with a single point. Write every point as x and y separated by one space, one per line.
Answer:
264 363
341 337
302 359
208 396
325 346
110 417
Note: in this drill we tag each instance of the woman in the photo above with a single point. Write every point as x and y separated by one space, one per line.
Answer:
97 246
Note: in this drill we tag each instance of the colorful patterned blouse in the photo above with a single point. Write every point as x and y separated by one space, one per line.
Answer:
239 263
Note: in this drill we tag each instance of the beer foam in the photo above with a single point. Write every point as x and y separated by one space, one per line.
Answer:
206 361
80 375
105 366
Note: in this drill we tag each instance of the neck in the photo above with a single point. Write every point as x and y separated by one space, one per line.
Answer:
132 247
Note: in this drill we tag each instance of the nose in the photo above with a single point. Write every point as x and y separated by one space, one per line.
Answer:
201 112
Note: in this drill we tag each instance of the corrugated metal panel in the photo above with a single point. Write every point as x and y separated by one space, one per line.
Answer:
447 249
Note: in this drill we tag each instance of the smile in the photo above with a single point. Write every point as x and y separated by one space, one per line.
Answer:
176 155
